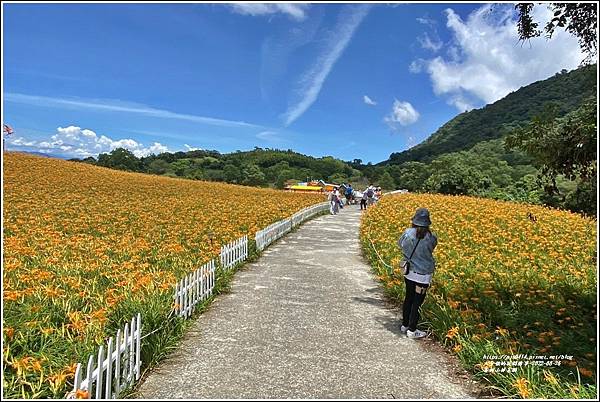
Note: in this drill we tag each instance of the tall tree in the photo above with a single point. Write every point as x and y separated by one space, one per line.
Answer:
561 146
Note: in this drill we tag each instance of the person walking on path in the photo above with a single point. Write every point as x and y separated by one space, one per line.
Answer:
349 192
334 202
417 244
370 191
363 200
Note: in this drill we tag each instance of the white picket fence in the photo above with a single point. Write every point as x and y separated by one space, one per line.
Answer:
120 368
271 233
276 230
194 288
234 252
198 285
107 376
308 213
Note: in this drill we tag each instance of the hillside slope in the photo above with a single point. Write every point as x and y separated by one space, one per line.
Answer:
567 89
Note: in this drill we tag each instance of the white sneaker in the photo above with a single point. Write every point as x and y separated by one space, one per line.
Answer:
403 329
415 335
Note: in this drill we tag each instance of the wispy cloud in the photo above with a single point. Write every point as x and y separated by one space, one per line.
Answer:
430 43
272 136
118 106
266 135
295 11
311 82
426 20
369 101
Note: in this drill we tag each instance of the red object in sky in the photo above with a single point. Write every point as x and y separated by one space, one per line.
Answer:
8 129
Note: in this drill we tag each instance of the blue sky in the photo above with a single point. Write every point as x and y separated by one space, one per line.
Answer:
347 80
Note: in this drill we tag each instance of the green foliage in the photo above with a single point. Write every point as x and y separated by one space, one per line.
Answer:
259 167
386 181
120 158
232 173
158 166
252 175
451 175
338 178
564 145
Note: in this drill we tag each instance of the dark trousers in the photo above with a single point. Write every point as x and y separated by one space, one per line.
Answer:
415 295
363 204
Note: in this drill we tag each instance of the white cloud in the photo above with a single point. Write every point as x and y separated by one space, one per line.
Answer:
403 114
190 148
369 101
485 60
461 102
75 142
434 44
118 106
20 141
295 11
311 82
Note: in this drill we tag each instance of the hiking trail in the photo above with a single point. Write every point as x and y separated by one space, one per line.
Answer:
306 320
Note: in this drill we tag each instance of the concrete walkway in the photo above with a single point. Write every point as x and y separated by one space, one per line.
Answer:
307 320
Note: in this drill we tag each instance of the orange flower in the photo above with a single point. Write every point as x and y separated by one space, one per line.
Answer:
522 386
502 331
10 332
452 332
549 377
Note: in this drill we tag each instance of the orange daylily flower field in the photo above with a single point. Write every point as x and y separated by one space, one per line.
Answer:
87 247
510 279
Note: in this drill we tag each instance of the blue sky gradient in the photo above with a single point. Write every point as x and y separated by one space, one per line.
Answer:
347 80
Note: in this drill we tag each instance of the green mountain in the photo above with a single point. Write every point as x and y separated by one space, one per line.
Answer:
566 89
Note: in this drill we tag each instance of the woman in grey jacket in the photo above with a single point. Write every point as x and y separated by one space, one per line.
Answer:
417 244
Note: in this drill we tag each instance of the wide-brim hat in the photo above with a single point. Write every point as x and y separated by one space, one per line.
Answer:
421 217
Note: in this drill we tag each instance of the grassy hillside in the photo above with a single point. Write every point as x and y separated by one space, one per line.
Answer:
86 248
567 89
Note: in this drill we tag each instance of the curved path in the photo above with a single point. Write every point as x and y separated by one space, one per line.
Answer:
307 320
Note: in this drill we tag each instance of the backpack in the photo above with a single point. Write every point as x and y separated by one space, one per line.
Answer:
370 193
348 191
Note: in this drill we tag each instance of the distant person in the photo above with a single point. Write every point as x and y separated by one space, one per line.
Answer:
370 194
332 198
334 201
349 194
363 200
340 199
417 244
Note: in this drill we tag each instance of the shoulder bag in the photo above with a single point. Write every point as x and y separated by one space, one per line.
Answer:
405 264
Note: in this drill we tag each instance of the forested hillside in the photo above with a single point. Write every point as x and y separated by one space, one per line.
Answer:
259 167
566 89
